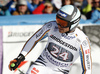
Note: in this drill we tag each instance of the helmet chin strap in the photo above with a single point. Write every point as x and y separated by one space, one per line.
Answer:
67 32
69 25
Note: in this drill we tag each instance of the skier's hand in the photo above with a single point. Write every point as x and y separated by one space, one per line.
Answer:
12 64
16 62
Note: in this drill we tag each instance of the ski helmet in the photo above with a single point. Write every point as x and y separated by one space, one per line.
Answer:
71 14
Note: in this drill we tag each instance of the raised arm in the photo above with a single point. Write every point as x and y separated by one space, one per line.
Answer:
39 35
29 45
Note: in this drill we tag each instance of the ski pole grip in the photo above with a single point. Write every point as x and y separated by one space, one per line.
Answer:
12 65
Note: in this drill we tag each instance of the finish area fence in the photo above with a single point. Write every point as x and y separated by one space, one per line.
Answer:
16 30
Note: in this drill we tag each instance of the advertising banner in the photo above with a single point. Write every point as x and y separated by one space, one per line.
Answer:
14 37
1 51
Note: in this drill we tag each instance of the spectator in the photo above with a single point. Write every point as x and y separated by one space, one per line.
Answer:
35 2
96 4
95 16
45 8
67 2
90 7
41 1
4 11
31 6
11 6
1 12
56 5
34 5
87 8
78 4
21 8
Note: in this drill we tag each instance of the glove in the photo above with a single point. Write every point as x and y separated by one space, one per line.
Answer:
16 62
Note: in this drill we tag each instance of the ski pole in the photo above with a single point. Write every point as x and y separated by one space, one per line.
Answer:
13 65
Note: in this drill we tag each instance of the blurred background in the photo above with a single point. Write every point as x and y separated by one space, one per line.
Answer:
20 19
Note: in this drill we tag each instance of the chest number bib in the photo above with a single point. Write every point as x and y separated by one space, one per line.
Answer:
64 55
60 53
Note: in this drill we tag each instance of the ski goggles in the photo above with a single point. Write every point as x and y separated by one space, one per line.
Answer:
62 23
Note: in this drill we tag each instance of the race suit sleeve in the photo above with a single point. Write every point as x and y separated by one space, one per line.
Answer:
33 40
85 55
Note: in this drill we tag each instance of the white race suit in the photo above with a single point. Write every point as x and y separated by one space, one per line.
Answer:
60 52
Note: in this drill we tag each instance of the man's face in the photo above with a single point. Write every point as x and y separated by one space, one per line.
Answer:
62 25
22 8
67 2
48 8
96 3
